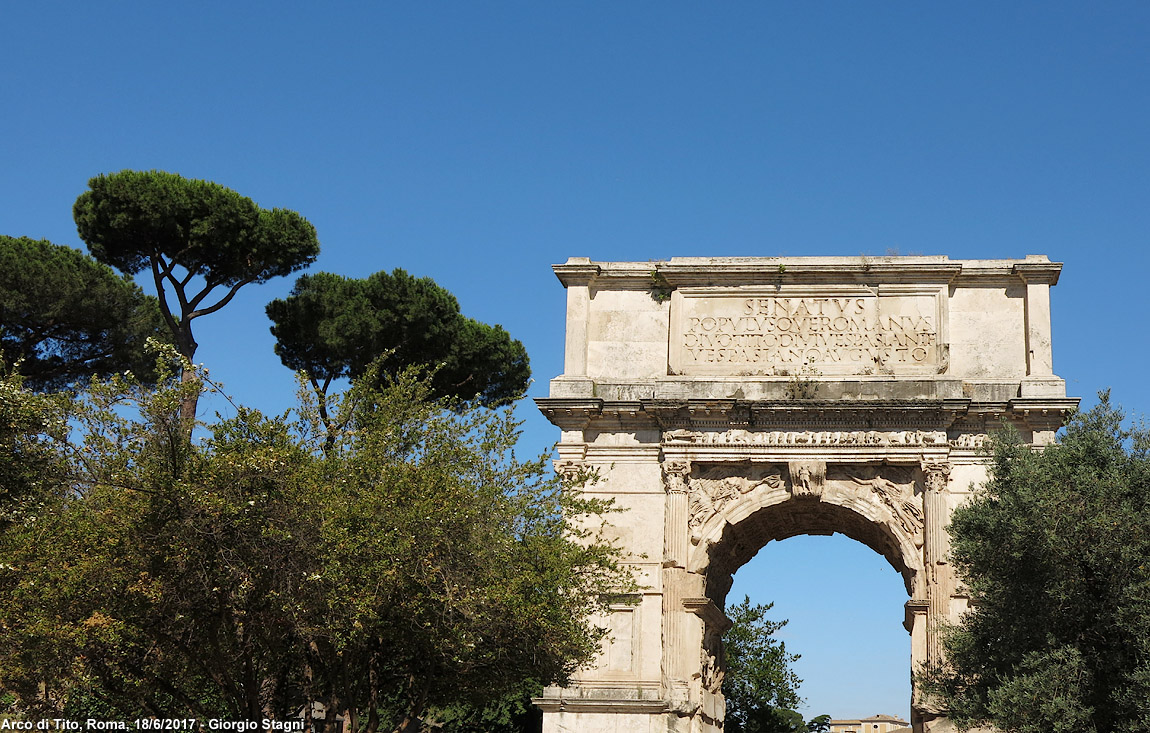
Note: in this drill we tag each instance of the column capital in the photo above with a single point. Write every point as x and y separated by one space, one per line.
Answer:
937 475
675 473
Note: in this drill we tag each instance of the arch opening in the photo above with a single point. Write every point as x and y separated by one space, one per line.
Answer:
739 542
860 502
846 612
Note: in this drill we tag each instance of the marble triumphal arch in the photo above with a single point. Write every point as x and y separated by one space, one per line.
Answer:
728 402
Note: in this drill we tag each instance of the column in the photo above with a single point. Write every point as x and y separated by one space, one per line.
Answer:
936 511
675 547
675 540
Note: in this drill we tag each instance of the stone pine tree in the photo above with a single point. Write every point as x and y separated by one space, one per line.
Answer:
331 327
201 243
64 317
1056 551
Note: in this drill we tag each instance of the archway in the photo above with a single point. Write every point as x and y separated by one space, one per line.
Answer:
845 613
741 489
876 505
772 397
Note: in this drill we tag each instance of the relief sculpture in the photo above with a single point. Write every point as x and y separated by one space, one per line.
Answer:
894 487
807 438
714 488
712 662
807 478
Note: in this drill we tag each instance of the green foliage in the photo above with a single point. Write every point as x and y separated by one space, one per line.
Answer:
30 465
412 567
512 713
1056 551
189 231
66 317
133 220
332 327
760 687
196 238
661 289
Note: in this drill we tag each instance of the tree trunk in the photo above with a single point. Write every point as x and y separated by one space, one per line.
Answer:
190 402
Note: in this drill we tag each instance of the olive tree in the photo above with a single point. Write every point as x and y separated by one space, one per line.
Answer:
1056 551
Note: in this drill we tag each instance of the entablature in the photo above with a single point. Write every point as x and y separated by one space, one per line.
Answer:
952 416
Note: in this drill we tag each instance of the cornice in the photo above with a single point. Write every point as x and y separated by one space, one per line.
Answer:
1044 273
782 271
1043 412
577 271
678 414
706 609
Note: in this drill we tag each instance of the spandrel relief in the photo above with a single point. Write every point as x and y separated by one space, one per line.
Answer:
713 488
892 486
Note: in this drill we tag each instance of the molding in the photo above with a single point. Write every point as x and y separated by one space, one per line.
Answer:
843 416
780 271
1036 271
577 271
913 607
706 609
1043 412
581 705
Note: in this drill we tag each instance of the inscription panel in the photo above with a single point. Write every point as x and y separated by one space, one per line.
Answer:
784 333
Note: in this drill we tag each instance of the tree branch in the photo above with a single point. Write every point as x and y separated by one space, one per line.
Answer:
222 302
165 309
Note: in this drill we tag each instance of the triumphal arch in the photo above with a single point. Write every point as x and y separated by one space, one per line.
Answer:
728 402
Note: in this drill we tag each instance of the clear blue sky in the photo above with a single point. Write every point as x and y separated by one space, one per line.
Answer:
478 143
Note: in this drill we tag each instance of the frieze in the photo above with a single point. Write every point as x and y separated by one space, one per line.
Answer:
807 438
970 440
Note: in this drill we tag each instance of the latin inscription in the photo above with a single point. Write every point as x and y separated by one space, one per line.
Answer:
785 335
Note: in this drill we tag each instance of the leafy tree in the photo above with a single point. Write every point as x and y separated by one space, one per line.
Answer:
760 687
66 317
412 567
201 242
29 462
331 327
513 713
1056 551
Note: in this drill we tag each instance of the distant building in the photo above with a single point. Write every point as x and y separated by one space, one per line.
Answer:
873 724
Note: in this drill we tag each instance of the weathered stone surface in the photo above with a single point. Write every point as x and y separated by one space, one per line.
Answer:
729 402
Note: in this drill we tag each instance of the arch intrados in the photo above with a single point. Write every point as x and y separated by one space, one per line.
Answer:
735 535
